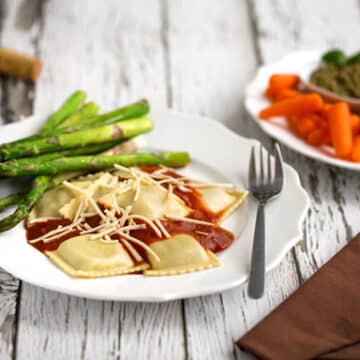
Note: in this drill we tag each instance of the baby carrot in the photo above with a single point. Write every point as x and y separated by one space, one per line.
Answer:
355 152
325 109
340 129
318 137
279 82
286 94
305 125
355 123
294 106
293 124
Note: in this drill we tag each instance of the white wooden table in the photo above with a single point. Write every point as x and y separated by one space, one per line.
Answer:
194 56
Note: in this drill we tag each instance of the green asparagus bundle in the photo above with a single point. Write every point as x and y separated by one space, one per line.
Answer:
120 130
11 199
84 118
26 200
91 163
70 105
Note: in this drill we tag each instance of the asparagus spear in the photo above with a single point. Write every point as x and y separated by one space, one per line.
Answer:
137 109
68 108
114 146
100 134
90 163
11 199
134 110
39 186
87 111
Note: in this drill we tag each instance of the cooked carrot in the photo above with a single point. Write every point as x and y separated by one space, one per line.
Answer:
318 137
340 129
355 123
325 109
293 124
305 125
286 94
278 82
297 105
355 152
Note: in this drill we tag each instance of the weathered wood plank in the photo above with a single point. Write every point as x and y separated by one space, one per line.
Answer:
114 51
211 59
15 102
283 26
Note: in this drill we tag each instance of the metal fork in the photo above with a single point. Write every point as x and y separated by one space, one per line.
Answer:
263 187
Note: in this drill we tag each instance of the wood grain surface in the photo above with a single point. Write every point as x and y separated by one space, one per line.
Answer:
196 57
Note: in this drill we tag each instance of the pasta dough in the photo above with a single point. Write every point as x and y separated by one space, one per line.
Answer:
153 202
180 254
81 256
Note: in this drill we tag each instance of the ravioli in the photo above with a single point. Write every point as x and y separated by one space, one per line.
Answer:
180 254
82 256
50 203
163 223
153 202
95 187
224 202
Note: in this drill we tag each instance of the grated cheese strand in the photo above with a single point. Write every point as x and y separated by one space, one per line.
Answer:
116 205
209 185
57 231
147 221
132 250
201 232
190 220
140 243
89 198
162 228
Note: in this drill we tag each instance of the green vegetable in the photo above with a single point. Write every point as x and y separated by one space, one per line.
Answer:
11 199
91 163
70 105
86 150
39 185
335 56
354 59
134 110
87 111
26 200
95 135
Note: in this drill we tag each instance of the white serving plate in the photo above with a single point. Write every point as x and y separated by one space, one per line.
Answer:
301 63
218 155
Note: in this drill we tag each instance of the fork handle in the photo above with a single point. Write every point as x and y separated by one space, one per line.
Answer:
257 270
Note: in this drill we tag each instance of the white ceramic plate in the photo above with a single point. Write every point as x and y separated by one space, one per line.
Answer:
218 155
302 63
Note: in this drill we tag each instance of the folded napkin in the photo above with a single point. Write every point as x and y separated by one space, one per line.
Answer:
321 320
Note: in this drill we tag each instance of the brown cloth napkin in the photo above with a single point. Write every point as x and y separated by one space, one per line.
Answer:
321 320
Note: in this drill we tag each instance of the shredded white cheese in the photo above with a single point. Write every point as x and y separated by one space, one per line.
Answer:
190 220
162 228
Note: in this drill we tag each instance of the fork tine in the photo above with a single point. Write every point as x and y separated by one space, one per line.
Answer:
252 170
269 171
279 170
261 165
